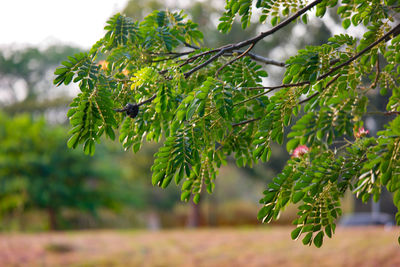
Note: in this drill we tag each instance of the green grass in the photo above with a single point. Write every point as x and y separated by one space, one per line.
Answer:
262 246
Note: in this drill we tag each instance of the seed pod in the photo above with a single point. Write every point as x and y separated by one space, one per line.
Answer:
132 110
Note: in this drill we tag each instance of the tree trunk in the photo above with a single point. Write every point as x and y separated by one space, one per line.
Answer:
52 219
194 215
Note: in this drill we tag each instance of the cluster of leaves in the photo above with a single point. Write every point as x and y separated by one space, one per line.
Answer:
312 180
274 10
104 85
208 104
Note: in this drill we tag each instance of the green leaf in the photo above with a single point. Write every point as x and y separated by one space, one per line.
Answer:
157 177
304 18
386 177
61 70
384 165
185 196
196 198
274 21
288 78
298 196
73 141
346 23
190 112
263 212
89 147
328 231
320 11
318 239
166 181
187 185
292 144
296 233
307 239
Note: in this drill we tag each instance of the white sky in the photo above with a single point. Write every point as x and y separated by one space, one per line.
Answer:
44 22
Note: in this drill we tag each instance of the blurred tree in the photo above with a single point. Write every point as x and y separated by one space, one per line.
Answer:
26 79
38 172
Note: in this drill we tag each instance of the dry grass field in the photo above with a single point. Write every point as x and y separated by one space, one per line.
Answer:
263 246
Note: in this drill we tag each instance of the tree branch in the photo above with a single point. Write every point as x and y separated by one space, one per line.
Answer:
220 53
277 27
386 37
148 100
265 60
251 41
191 46
229 48
259 58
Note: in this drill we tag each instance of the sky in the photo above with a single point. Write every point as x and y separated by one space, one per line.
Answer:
46 22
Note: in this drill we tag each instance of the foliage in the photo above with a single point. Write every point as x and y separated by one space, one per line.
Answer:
204 104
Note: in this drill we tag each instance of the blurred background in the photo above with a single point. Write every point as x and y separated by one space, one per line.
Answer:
44 186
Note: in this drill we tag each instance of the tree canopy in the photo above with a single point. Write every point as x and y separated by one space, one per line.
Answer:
154 81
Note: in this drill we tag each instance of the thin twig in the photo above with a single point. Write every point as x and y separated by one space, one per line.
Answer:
277 27
395 31
148 100
245 122
276 86
259 58
378 72
316 93
164 59
190 45
265 60
233 60
387 113
172 53
220 53
191 59
308 98
385 38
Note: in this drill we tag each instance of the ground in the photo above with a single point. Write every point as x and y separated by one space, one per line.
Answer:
264 246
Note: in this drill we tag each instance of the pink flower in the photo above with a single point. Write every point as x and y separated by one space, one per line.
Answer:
361 133
300 151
